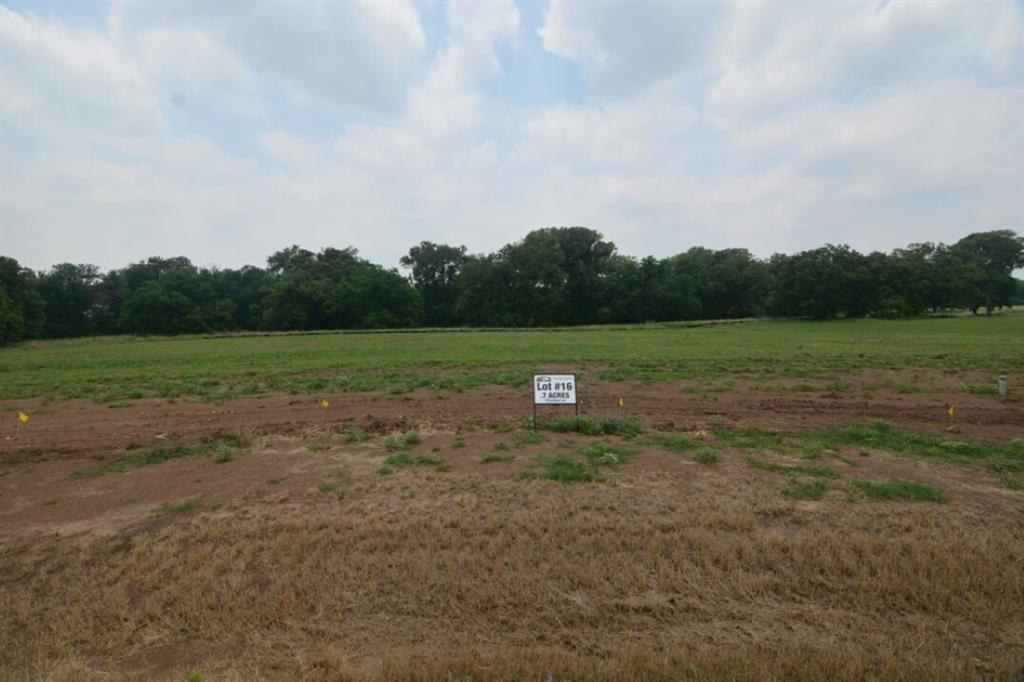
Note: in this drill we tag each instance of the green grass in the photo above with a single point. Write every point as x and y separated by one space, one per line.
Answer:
354 434
172 508
879 435
222 452
793 470
328 486
562 468
116 369
900 490
811 490
1010 482
607 426
336 484
402 441
605 454
883 436
490 457
707 455
529 438
402 460
704 453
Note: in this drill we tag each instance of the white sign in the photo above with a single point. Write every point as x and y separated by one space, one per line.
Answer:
554 389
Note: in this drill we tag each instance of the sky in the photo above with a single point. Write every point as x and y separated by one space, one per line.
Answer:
227 131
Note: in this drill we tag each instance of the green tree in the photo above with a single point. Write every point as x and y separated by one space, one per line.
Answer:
175 298
69 291
12 324
335 289
994 256
23 309
435 274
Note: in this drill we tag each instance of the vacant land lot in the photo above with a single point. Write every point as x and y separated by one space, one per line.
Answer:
745 501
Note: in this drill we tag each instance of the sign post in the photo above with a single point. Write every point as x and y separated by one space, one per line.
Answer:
555 389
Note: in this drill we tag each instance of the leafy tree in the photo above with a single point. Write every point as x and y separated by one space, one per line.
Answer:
69 291
994 256
12 324
435 274
809 284
23 309
727 284
585 260
246 288
552 276
335 289
179 301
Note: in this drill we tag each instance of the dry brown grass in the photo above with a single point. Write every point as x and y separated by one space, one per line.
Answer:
424 576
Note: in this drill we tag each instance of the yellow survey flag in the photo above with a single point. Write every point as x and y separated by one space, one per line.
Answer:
324 404
22 417
951 411
621 403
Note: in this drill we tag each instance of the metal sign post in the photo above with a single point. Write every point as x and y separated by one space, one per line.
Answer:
555 389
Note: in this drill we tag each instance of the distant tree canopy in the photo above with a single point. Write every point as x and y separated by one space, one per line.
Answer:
553 276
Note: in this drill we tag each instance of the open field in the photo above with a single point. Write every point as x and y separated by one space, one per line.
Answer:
124 368
770 501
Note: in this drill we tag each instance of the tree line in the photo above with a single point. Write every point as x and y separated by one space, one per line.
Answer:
553 276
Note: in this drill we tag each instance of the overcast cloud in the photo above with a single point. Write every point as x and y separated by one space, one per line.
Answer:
225 132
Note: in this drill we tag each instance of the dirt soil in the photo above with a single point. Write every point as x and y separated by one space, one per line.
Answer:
300 554
79 427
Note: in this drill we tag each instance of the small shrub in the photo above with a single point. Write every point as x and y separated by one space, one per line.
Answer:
185 507
354 434
626 427
501 446
1010 482
603 454
529 438
564 469
675 443
707 455
489 457
402 459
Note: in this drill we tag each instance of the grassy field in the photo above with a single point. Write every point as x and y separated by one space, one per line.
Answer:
111 369
776 501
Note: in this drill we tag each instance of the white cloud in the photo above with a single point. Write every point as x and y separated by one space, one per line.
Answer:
357 54
625 46
770 126
55 78
629 134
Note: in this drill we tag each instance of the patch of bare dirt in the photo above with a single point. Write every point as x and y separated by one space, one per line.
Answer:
77 428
